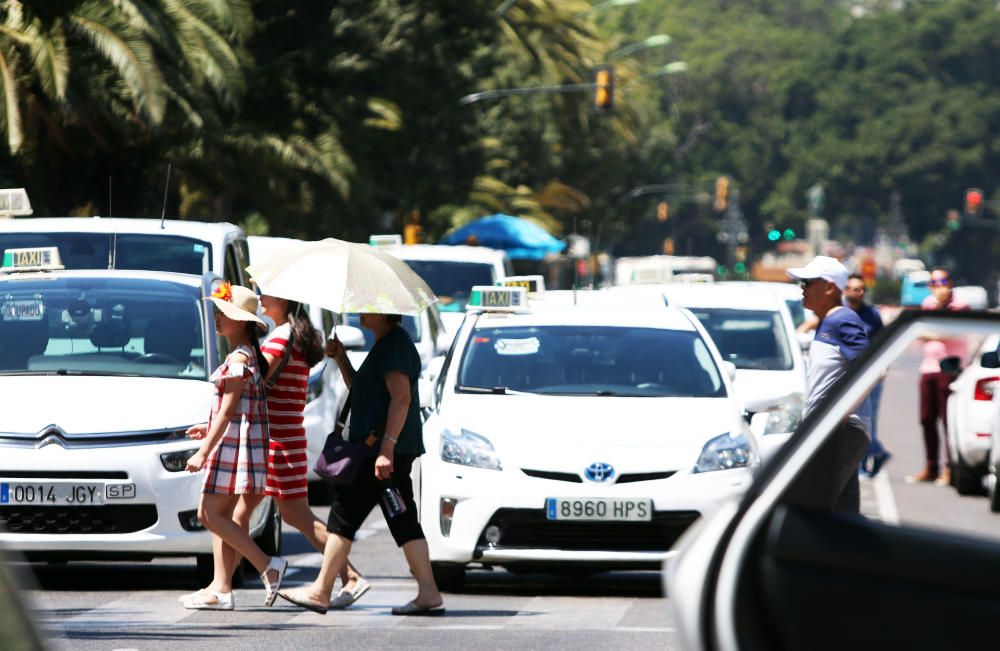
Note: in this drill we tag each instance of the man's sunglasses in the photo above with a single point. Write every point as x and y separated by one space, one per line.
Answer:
806 283
939 282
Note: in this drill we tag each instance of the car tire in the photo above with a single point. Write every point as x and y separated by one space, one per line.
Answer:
269 539
449 577
966 480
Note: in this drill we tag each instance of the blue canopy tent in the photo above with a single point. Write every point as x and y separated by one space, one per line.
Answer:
520 238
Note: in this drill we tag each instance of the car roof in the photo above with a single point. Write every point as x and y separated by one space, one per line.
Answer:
265 245
205 231
592 308
786 290
737 296
166 276
458 253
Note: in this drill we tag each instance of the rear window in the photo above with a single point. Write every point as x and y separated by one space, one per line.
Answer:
134 251
750 339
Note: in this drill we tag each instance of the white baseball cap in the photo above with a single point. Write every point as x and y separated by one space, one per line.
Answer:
825 267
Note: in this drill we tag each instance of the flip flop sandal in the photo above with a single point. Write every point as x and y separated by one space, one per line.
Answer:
303 602
346 598
413 610
279 565
211 601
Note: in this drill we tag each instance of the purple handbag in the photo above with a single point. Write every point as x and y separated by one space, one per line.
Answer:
340 460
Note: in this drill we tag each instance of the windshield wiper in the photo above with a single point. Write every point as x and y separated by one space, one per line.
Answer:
500 391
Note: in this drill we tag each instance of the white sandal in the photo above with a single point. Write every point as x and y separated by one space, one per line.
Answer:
192 595
210 600
279 565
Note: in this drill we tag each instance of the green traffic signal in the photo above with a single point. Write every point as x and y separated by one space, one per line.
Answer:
721 270
740 268
774 235
789 234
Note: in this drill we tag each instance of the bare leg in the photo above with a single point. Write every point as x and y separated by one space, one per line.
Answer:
213 514
419 560
334 556
222 555
297 513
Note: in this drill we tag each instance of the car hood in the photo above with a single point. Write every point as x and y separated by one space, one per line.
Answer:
96 405
563 432
760 390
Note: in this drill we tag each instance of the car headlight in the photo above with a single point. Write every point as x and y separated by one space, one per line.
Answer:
177 461
468 449
785 417
725 452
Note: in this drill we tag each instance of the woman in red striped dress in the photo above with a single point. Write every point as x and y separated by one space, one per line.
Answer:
287 465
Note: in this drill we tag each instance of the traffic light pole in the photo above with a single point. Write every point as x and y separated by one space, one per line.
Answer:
733 231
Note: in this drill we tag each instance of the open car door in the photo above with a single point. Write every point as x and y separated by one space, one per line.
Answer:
780 570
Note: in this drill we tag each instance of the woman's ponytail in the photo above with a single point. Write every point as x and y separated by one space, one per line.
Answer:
305 338
261 360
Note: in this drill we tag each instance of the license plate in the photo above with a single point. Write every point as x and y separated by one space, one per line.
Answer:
51 494
604 509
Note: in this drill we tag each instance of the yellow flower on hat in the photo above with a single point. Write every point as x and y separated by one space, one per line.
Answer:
224 292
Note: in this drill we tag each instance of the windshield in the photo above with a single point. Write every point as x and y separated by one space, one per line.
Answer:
451 281
410 324
132 251
590 360
750 339
101 326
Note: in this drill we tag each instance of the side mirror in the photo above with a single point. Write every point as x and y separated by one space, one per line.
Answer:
352 338
990 360
951 364
434 369
426 391
730 370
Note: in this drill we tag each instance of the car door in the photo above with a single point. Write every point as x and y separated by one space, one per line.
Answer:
780 570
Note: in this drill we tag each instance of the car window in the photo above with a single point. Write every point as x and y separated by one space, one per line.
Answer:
452 280
797 311
132 251
232 272
590 360
410 324
101 326
242 250
750 339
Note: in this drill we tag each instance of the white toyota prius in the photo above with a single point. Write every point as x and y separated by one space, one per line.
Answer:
585 436
101 373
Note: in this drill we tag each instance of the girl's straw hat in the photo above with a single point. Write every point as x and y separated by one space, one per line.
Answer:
238 303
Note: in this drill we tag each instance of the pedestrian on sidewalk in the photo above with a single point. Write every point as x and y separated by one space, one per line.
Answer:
935 381
840 337
385 408
233 452
854 298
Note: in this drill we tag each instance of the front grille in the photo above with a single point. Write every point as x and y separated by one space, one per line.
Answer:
628 478
529 529
554 476
78 519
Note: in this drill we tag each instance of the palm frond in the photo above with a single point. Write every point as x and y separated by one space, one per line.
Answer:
390 116
12 112
49 57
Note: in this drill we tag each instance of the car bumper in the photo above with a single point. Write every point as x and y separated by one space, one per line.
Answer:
514 503
149 524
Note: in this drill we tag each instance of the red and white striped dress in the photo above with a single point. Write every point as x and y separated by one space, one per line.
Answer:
286 461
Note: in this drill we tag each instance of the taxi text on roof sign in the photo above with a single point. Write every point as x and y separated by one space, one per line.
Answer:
37 259
501 299
385 240
533 284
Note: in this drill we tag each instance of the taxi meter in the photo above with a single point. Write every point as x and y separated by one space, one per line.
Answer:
380 241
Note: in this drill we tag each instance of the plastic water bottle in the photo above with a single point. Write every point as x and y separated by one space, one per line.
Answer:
393 502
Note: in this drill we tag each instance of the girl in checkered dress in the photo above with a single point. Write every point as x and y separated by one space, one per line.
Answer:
233 453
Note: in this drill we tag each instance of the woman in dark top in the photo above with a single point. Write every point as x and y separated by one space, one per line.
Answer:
384 403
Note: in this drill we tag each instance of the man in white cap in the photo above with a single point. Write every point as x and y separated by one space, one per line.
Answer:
840 338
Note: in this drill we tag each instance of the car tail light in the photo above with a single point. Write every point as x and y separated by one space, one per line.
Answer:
984 388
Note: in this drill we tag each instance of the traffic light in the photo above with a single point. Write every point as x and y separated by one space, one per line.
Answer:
774 235
663 211
604 91
973 202
789 234
953 221
411 228
721 193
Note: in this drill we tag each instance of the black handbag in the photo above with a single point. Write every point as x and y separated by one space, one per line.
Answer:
340 460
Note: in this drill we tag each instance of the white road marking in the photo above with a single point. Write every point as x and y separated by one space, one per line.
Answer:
137 610
885 498
372 612
569 613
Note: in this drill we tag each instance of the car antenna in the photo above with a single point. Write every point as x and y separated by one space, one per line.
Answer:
166 186
576 272
113 249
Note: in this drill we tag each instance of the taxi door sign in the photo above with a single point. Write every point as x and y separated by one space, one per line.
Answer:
36 259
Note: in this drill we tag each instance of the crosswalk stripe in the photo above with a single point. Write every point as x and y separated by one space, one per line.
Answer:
137 610
373 613
569 612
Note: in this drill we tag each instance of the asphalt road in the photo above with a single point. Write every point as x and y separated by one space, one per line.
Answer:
116 606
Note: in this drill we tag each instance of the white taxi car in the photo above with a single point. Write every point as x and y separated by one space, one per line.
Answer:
101 373
140 244
451 272
970 418
589 435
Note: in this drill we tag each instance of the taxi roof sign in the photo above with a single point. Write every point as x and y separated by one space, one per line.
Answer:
43 258
14 202
533 284
385 240
486 298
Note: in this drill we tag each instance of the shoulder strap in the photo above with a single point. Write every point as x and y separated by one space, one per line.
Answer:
342 419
